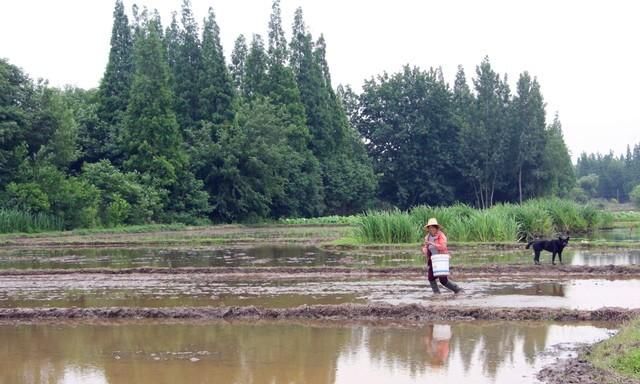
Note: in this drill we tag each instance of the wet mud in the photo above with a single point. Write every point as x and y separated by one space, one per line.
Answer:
546 271
340 312
580 371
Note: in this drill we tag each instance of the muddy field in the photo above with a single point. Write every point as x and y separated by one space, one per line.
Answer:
295 274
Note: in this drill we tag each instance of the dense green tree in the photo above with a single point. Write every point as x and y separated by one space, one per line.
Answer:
152 137
407 123
238 62
557 167
527 136
463 108
484 142
304 189
255 70
62 149
154 142
174 133
347 174
125 199
17 104
42 188
610 171
217 94
113 93
187 70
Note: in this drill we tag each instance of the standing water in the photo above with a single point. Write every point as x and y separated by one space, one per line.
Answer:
219 352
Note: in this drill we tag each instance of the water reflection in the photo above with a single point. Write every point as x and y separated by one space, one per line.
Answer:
574 294
269 256
605 258
280 353
616 234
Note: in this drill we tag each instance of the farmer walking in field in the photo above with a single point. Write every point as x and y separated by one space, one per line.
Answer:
435 244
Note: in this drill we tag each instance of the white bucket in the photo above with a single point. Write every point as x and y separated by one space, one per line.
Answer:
441 332
440 265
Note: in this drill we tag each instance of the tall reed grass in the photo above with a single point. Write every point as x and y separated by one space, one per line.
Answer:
503 222
12 220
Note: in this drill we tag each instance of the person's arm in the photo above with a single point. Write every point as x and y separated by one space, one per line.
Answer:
441 243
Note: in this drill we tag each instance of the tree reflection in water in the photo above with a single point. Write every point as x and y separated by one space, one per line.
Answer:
262 352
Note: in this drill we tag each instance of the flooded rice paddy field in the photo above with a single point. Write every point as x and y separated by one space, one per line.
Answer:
219 352
286 273
280 256
168 290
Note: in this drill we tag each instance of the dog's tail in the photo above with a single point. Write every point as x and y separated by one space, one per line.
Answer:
529 244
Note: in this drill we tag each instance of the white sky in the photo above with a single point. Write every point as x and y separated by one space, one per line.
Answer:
585 53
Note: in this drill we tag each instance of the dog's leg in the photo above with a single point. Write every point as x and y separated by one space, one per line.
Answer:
536 256
560 257
553 258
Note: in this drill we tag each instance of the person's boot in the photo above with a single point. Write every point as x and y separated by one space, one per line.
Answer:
434 286
453 286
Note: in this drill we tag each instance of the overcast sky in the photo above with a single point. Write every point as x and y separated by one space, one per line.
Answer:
585 54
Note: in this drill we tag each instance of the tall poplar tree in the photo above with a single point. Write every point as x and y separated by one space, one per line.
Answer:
113 92
217 93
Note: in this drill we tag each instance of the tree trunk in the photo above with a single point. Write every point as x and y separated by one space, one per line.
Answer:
520 183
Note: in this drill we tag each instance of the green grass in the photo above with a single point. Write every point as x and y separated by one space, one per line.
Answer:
621 353
626 216
12 220
503 222
324 220
148 228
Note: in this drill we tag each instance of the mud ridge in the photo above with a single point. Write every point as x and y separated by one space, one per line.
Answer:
581 371
535 270
341 312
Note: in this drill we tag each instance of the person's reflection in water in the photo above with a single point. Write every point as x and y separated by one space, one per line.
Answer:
437 344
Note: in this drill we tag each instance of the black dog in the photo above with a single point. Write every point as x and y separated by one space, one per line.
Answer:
554 246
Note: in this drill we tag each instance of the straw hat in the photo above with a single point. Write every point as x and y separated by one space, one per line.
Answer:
432 222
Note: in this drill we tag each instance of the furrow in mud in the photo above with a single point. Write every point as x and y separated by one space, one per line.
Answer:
340 312
536 270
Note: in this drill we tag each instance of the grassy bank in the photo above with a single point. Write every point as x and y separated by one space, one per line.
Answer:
621 353
504 222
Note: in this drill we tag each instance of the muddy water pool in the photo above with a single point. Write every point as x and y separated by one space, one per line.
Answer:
145 352
280 256
163 290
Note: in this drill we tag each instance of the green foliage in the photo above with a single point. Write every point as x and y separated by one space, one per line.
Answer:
559 176
412 142
124 197
347 174
502 222
258 172
62 148
579 195
634 195
434 145
12 220
217 94
324 220
113 93
153 143
589 184
620 354
186 64
387 227
173 134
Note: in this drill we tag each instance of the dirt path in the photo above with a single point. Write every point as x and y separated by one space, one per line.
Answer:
328 312
480 271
